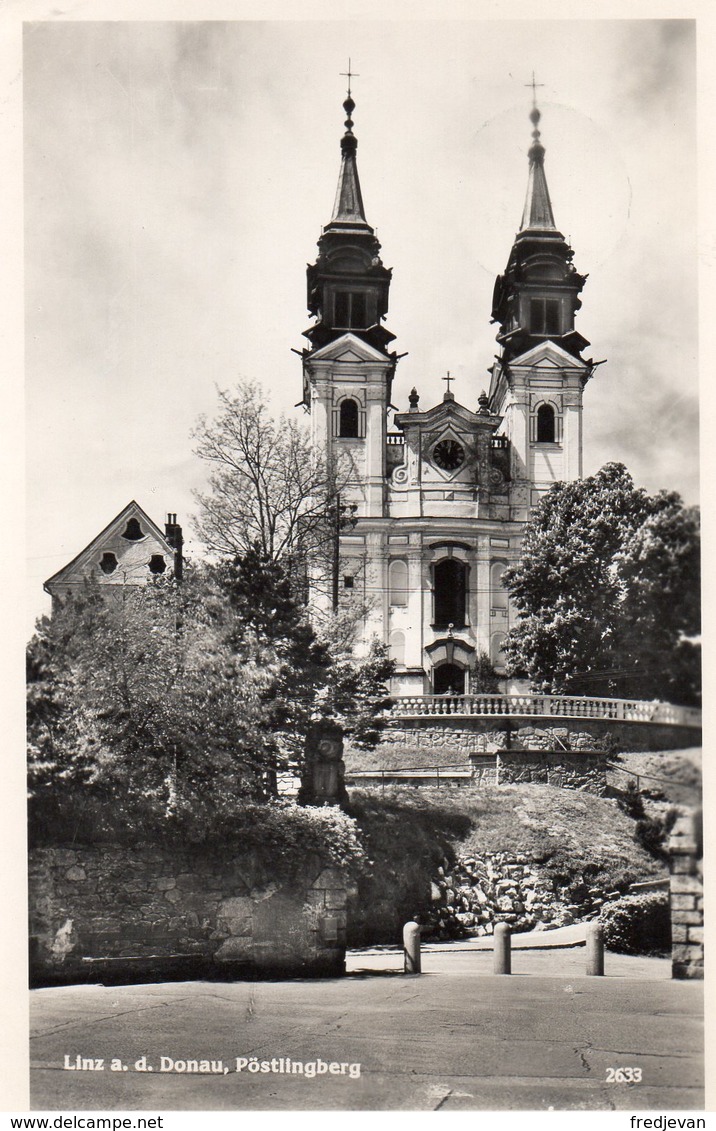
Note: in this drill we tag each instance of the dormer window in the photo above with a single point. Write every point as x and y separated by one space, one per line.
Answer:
133 531
545 317
350 310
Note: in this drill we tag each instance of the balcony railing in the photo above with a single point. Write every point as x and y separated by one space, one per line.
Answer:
550 706
395 438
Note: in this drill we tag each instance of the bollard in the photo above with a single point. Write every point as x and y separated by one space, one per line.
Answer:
411 948
595 949
502 962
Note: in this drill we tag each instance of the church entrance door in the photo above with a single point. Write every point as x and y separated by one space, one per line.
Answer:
448 679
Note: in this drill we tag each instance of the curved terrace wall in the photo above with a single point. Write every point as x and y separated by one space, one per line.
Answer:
480 724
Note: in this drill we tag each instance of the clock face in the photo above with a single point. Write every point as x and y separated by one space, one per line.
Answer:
449 455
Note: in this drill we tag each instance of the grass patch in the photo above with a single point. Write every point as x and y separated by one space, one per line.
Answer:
404 756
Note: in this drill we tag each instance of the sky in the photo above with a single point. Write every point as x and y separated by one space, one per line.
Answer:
177 175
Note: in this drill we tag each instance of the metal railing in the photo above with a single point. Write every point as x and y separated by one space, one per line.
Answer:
395 438
386 775
639 777
550 706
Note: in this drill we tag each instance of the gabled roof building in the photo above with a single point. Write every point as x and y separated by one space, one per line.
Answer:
129 551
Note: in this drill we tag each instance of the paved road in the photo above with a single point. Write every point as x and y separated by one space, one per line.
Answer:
456 1037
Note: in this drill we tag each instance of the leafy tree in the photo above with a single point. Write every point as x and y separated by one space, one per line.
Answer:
484 679
137 700
315 675
356 693
264 619
607 592
267 486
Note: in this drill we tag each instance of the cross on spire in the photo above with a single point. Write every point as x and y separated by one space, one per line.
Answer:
349 74
533 84
448 379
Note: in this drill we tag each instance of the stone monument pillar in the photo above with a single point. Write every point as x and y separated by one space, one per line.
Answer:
323 776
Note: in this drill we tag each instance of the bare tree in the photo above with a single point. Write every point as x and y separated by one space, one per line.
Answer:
267 486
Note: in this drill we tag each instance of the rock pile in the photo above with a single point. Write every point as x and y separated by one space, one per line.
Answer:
476 892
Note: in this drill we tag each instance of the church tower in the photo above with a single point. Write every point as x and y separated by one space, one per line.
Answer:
348 371
538 379
442 499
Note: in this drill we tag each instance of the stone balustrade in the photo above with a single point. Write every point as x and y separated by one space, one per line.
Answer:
551 706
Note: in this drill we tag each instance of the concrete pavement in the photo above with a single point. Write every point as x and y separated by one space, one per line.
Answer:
455 1037
573 935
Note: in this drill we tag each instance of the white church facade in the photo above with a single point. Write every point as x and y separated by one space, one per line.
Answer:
441 497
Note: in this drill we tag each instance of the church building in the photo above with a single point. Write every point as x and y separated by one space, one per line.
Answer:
440 500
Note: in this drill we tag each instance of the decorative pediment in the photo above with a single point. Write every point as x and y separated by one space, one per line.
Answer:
347 348
447 414
546 355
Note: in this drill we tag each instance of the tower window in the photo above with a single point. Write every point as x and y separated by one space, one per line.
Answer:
545 316
348 581
350 310
157 564
546 431
348 427
108 562
450 593
133 531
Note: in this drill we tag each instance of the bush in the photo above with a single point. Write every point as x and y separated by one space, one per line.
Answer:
651 831
285 833
281 833
637 924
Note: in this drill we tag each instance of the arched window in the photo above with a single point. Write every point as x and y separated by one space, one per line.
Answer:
396 647
496 655
398 582
450 593
499 594
157 564
449 679
546 431
348 426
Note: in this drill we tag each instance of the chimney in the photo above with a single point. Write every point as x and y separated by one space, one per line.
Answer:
174 537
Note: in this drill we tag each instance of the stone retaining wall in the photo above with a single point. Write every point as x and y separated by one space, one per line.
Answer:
114 912
584 771
687 899
480 734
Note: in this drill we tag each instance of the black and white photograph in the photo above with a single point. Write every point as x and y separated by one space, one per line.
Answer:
362 618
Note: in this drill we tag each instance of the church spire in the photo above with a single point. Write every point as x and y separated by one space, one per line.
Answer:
537 297
348 207
537 214
347 286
